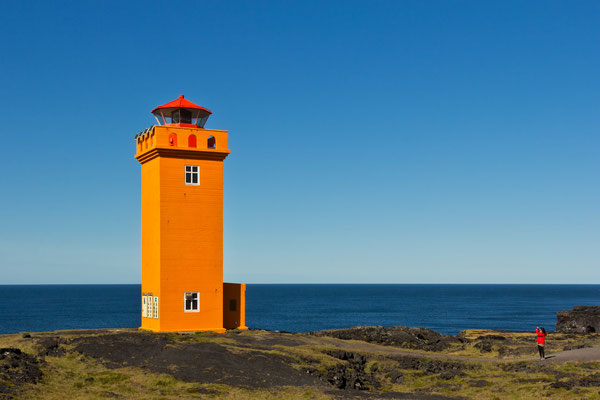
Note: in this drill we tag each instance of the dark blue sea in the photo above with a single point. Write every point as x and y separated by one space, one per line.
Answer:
300 308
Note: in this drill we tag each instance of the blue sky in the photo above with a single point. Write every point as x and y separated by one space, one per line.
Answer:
372 142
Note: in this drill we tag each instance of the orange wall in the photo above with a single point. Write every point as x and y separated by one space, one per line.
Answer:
182 227
151 234
158 137
191 219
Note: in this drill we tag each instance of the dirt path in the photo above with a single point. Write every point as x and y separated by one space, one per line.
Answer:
586 354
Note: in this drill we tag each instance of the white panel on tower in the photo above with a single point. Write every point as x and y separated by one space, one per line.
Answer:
150 308
144 306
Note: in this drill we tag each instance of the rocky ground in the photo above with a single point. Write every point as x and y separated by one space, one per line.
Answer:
581 319
360 362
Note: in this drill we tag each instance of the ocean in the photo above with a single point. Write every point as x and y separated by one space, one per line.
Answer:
301 308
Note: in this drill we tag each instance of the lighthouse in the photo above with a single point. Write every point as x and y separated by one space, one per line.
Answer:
182 224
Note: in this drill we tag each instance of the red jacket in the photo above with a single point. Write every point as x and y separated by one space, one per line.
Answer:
540 337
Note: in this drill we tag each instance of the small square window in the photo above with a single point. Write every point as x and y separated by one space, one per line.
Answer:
192 175
191 302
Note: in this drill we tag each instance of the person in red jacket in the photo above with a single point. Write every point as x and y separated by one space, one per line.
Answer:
541 341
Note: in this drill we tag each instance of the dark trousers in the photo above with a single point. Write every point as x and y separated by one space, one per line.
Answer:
541 350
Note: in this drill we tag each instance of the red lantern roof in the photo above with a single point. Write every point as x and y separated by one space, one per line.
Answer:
181 102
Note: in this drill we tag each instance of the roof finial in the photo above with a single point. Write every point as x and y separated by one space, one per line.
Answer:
181 96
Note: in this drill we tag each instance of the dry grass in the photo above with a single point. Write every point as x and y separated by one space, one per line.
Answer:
74 376
200 337
493 383
18 342
517 345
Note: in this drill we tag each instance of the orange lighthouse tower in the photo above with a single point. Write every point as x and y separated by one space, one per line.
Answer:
182 224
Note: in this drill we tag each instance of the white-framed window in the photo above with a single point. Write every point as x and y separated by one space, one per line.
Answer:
192 175
191 302
155 307
150 307
144 306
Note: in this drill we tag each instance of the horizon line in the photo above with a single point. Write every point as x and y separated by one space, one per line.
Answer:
312 283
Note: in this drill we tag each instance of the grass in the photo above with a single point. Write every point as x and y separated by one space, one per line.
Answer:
75 377
200 337
500 384
16 341
517 345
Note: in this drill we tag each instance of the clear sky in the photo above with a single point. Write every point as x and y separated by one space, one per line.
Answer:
372 141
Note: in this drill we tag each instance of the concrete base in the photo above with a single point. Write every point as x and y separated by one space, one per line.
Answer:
216 330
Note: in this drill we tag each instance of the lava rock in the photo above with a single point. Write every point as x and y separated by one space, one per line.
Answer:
431 367
561 385
347 356
199 362
450 374
582 319
478 383
351 374
50 346
400 336
590 380
397 377
16 369
491 337
484 346
523 366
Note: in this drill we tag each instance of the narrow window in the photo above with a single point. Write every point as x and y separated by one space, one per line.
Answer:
155 306
172 139
150 308
144 309
232 305
175 116
192 175
211 143
192 141
191 302
201 121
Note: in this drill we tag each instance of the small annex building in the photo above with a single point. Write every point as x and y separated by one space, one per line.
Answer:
182 224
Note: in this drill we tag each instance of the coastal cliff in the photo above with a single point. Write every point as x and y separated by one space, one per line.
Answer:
360 362
581 319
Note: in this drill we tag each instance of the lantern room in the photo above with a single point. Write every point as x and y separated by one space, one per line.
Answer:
181 112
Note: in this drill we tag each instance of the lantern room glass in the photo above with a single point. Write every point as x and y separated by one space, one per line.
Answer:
181 116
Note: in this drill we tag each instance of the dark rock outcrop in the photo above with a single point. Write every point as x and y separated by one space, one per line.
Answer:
50 346
582 319
485 346
16 369
400 336
431 367
351 374
202 362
